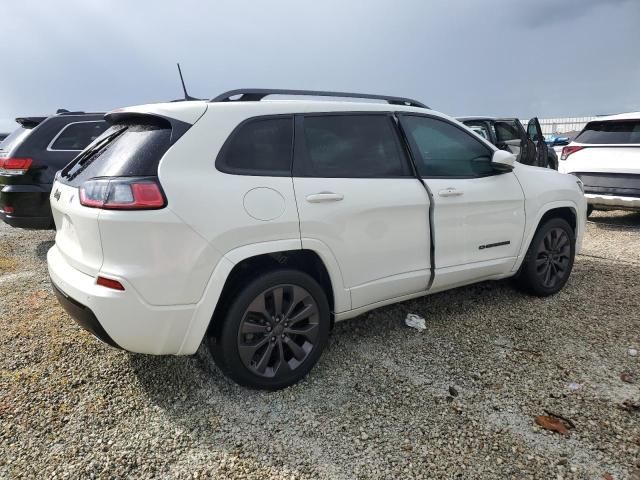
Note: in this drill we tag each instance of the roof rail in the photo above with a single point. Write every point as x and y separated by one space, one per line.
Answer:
257 94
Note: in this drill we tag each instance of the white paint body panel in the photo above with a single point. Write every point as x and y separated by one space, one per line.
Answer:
374 241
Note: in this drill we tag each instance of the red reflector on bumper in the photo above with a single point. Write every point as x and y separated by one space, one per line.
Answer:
107 282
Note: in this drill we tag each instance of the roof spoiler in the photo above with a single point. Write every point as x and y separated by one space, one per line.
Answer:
30 122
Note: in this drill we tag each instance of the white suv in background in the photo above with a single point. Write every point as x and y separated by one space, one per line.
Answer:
258 223
606 157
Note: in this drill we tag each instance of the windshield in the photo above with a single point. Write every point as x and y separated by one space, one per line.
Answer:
611 132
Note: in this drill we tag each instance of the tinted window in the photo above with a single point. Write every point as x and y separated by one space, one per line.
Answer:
444 150
619 131
126 149
506 131
353 146
260 146
532 130
77 135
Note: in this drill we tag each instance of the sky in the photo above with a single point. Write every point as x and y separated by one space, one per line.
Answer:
546 58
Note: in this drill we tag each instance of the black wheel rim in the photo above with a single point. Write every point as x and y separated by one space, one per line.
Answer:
279 330
553 257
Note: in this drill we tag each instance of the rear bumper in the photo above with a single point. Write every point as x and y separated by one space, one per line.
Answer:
119 318
30 204
83 316
613 202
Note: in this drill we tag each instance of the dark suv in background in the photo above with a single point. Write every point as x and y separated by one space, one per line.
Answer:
30 157
509 134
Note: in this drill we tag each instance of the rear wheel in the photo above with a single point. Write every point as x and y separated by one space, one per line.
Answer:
549 260
274 330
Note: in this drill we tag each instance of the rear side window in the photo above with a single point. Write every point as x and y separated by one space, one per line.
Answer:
260 146
351 146
125 149
617 132
76 136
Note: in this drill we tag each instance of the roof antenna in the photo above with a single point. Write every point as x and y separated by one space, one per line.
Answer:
184 88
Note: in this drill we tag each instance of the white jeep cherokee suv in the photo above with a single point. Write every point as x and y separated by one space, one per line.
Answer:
606 157
258 223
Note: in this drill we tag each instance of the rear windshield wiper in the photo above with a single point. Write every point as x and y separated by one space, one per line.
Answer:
82 160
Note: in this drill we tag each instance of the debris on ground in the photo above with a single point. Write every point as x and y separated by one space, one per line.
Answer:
631 405
415 321
453 391
627 377
632 352
553 424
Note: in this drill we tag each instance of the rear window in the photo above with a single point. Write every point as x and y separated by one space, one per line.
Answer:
618 131
125 149
14 139
77 135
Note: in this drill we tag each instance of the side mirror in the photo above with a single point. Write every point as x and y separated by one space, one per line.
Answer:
503 161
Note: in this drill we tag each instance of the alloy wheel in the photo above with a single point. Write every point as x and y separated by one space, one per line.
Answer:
278 331
553 257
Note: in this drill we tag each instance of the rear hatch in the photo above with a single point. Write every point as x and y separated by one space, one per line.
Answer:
607 146
128 152
19 135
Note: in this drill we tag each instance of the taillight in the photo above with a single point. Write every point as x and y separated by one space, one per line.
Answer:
14 166
566 151
122 194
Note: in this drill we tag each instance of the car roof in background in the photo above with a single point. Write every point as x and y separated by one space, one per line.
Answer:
483 118
619 116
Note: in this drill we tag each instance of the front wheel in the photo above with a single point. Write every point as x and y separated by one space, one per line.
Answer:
549 260
274 330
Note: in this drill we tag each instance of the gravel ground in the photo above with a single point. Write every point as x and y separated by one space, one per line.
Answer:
458 400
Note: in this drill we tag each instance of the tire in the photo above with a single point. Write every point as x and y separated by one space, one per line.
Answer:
589 210
549 260
258 346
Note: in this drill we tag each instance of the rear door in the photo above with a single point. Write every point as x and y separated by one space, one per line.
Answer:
534 132
356 193
478 218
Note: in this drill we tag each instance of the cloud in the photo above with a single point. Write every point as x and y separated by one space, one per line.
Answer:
496 57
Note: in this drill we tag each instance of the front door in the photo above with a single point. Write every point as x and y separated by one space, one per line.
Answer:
478 216
534 132
356 194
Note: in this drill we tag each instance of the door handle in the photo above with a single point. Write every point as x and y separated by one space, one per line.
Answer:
450 192
324 197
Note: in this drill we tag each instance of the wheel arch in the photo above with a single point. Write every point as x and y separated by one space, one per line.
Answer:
232 271
565 210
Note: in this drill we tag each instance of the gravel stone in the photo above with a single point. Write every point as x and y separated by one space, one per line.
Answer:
376 406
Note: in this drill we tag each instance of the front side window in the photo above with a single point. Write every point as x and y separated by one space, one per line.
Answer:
76 136
444 150
260 146
352 146
611 132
